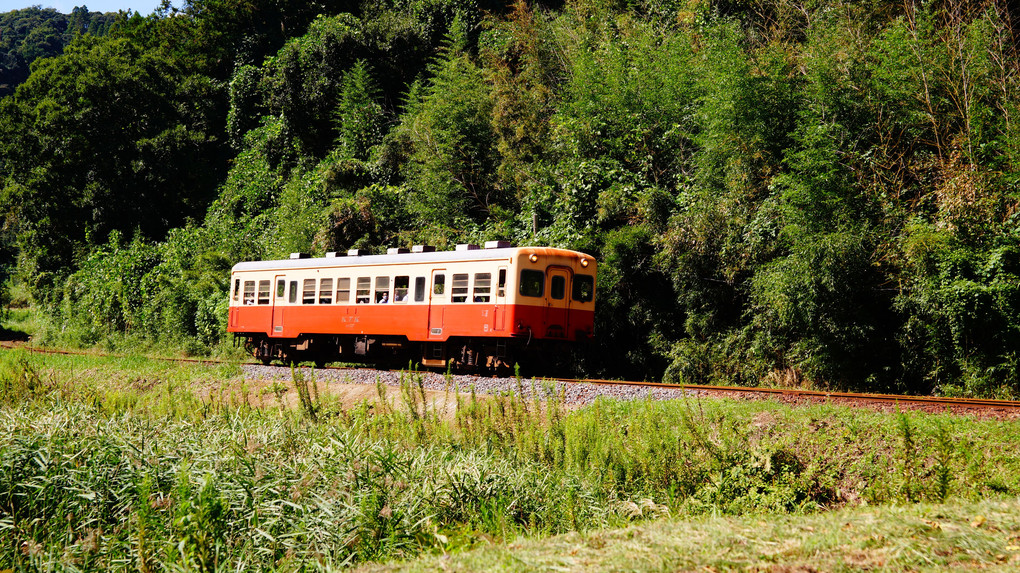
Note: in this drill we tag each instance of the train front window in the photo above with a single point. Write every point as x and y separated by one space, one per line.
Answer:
364 293
532 282
237 288
400 288
326 291
249 292
459 288
308 292
264 292
419 289
584 288
343 290
483 287
557 287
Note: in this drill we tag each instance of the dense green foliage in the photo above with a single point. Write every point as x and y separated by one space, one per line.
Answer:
134 465
32 33
780 192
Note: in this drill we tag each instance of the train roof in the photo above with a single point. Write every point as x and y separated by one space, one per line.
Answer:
343 260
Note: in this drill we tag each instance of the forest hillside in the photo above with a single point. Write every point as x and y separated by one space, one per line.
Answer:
814 192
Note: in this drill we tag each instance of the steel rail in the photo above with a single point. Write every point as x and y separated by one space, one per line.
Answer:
10 345
799 392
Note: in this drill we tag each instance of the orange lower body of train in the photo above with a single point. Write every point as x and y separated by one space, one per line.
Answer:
462 335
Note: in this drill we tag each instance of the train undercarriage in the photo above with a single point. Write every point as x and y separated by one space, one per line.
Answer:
460 354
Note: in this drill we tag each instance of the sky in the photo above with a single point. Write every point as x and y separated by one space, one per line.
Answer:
144 7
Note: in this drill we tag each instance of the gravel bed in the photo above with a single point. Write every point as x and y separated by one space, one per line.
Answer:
574 393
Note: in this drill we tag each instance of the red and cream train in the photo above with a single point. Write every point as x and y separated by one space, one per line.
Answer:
486 307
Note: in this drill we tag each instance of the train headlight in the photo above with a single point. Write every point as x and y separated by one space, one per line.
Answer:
533 258
584 263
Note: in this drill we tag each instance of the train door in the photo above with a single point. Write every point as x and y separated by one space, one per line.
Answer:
437 303
557 312
278 298
499 313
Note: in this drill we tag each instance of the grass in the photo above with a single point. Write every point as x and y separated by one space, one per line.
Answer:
976 536
30 323
130 463
18 323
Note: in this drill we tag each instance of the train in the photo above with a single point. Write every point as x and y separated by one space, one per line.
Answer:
491 307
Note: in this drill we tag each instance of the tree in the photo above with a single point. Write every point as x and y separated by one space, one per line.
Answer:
105 137
26 35
452 164
359 116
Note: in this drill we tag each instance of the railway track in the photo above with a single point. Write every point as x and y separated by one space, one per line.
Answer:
999 408
930 403
10 345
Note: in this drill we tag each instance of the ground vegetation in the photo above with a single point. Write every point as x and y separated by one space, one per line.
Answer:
134 464
816 193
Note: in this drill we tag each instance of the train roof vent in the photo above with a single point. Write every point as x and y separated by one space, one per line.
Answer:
397 251
357 252
423 249
497 244
300 256
468 247
334 254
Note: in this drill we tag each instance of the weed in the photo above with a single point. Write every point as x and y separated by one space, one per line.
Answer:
19 379
201 525
277 389
308 393
909 461
943 462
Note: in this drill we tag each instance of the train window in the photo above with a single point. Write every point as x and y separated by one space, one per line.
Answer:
364 293
382 290
459 288
483 287
249 292
584 288
293 292
264 292
501 285
325 291
532 282
281 288
343 290
237 288
419 289
439 286
557 287
308 292
400 288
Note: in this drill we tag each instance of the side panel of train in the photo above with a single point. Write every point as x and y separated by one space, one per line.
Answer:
475 312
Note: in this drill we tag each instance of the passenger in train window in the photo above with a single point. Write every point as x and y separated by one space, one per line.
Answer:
400 288
384 298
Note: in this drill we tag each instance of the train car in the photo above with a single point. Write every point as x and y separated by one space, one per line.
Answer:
471 308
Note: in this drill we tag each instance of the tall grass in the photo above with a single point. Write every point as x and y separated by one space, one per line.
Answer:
153 476
246 488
